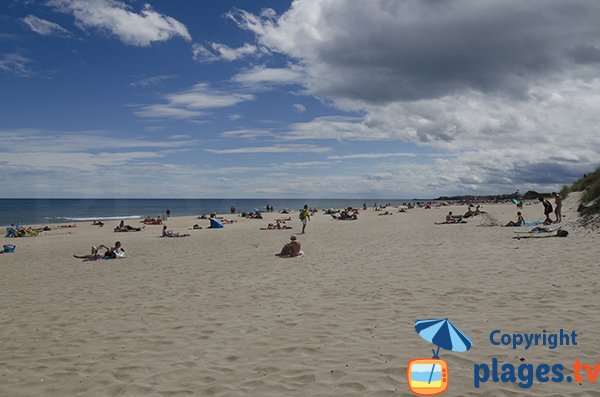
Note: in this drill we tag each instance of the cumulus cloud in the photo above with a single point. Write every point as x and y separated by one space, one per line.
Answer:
192 103
44 27
381 51
118 19
506 89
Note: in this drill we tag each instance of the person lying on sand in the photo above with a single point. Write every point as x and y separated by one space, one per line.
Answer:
152 221
520 221
469 213
291 249
386 213
450 219
170 233
66 226
126 228
98 223
276 226
109 253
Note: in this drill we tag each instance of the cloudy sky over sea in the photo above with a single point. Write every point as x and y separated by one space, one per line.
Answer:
310 98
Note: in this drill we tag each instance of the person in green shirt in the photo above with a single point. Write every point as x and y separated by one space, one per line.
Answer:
304 217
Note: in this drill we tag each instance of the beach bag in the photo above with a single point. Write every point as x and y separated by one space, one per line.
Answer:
301 216
9 248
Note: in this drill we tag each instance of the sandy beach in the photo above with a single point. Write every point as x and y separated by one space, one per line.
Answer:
218 314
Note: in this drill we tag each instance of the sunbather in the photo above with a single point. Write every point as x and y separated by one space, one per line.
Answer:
291 249
109 253
170 233
451 219
98 223
520 221
126 228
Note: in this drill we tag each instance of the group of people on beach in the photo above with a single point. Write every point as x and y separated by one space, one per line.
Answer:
548 208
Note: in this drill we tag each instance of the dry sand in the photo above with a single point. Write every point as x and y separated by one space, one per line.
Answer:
217 314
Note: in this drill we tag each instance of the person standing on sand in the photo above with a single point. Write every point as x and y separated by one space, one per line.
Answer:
557 207
547 210
168 212
304 217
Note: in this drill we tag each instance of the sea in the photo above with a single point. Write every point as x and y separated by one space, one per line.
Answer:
42 211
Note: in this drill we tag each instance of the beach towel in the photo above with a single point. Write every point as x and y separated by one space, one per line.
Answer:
301 253
533 223
215 224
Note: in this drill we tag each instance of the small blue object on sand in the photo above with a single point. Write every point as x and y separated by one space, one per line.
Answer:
9 248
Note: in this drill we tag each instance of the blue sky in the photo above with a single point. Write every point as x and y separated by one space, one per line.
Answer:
312 98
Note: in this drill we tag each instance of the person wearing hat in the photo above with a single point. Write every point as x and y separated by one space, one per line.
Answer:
291 249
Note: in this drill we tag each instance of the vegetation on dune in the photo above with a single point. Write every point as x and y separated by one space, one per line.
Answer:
590 186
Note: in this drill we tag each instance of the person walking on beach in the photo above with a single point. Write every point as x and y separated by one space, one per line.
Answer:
547 210
168 212
304 217
557 206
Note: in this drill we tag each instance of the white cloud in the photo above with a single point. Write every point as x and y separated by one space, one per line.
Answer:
262 74
296 148
222 52
116 18
371 156
450 76
300 108
151 81
16 64
247 133
192 103
44 27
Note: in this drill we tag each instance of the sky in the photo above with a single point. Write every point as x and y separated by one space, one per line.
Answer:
296 99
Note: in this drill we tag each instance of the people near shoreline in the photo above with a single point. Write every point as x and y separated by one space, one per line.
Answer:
520 221
168 212
170 233
126 228
547 210
152 221
291 249
98 223
304 217
232 210
557 206
117 251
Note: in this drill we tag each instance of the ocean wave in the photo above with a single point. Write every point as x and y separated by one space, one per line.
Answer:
100 218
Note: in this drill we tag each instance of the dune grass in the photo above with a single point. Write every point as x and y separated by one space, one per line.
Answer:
590 186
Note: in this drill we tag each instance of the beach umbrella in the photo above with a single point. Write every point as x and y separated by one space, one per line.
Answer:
442 333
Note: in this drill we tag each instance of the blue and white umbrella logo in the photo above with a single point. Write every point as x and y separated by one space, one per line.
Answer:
442 333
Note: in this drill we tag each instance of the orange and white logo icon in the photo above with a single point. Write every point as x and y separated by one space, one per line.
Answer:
427 376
